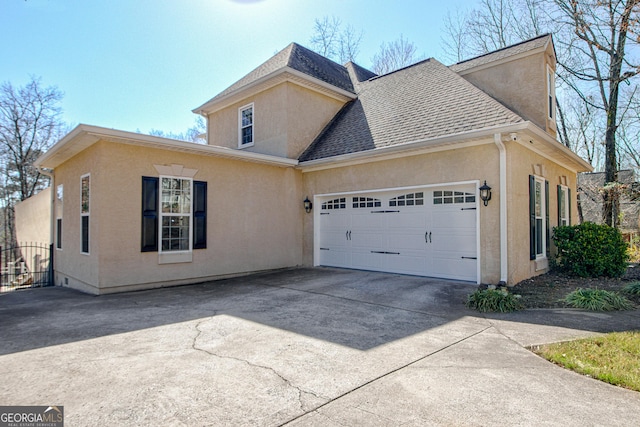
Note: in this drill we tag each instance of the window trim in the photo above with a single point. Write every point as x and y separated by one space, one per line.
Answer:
551 94
85 214
564 192
544 218
252 125
59 210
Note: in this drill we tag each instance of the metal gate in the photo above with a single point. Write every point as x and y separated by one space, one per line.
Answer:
28 265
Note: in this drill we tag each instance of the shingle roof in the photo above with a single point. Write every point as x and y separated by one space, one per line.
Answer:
503 53
423 101
301 59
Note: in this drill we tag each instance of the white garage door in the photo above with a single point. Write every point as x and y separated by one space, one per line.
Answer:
427 231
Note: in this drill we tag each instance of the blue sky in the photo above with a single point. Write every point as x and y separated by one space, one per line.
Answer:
145 64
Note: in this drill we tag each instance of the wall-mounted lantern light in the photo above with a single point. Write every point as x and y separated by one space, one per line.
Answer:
307 205
485 193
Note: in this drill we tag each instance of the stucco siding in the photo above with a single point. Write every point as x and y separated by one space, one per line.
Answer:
287 117
473 163
521 85
522 163
252 209
33 218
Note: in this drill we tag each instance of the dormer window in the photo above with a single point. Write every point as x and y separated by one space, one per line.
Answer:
245 128
551 94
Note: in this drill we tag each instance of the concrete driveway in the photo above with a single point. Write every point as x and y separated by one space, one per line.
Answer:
301 347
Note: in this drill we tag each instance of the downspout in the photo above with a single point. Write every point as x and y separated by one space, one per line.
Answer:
504 254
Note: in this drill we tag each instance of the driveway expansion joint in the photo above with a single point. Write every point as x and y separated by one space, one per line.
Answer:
386 374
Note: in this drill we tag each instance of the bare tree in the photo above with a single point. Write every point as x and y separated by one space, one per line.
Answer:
196 133
604 32
29 123
394 55
333 41
494 24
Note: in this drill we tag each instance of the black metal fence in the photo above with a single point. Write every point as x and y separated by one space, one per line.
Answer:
28 265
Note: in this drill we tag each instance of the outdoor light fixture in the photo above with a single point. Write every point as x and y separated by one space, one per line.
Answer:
485 193
308 205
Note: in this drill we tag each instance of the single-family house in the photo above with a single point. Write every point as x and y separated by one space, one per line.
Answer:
443 171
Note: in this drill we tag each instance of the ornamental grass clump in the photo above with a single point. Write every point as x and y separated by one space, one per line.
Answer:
494 300
632 288
597 300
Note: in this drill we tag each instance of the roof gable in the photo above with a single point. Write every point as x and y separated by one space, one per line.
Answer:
299 59
525 47
423 101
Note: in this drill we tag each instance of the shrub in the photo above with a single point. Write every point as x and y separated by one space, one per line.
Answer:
632 288
493 300
597 300
591 250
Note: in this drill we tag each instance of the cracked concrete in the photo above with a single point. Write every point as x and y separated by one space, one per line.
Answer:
298 347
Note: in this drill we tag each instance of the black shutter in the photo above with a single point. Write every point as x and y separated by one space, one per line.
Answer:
559 193
199 215
149 214
59 233
85 234
532 217
546 205
569 204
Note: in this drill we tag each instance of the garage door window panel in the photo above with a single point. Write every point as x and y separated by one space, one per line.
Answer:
411 199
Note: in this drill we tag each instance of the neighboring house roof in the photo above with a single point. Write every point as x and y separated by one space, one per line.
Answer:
296 58
526 46
426 100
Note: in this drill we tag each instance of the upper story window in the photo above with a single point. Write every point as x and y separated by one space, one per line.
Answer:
551 93
245 128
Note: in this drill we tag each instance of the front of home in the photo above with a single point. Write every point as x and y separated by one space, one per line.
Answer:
391 167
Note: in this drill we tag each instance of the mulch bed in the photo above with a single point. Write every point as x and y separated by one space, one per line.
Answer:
548 290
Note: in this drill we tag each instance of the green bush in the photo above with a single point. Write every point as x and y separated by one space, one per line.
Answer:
597 300
632 288
493 300
591 250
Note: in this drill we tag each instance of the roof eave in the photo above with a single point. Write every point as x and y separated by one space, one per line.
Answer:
84 136
544 145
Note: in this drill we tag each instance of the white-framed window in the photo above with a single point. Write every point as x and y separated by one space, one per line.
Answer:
539 192
59 206
564 207
85 205
551 93
245 126
411 199
175 214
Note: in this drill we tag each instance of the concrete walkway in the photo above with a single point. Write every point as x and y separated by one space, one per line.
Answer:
301 347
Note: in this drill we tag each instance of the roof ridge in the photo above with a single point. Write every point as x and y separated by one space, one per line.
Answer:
504 48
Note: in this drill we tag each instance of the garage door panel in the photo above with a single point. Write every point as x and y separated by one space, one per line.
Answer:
407 232
407 263
367 260
335 257
361 239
